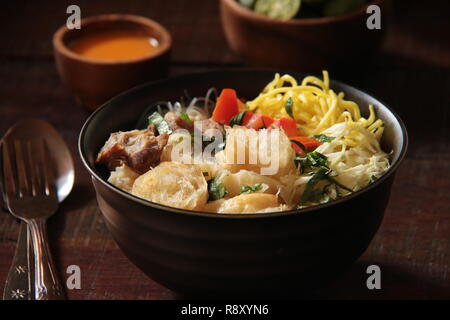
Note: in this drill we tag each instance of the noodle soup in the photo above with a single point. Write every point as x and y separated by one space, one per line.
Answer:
297 144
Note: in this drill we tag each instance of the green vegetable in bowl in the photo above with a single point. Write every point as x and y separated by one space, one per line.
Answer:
278 9
340 7
290 9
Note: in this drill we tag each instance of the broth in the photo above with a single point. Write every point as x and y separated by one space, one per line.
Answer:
115 45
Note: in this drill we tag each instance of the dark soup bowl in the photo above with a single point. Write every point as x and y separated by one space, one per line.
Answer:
207 254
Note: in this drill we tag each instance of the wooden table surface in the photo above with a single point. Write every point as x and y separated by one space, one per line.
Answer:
412 74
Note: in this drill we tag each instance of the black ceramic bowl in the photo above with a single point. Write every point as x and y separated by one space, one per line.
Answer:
236 254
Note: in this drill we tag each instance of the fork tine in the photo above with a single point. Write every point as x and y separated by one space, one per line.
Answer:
9 186
33 166
21 170
38 166
47 173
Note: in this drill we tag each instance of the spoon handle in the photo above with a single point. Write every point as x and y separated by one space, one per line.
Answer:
46 283
19 283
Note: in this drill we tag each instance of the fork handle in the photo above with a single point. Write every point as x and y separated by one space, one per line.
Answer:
46 283
19 281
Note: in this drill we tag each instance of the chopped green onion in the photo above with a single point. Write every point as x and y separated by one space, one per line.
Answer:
158 121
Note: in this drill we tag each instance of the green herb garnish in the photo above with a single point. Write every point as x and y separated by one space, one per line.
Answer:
322 138
288 106
160 124
310 194
317 159
237 119
250 189
311 160
216 189
185 117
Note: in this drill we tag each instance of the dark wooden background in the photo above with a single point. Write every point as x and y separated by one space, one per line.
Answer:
411 74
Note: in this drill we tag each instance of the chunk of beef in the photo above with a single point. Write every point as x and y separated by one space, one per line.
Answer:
138 149
211 124
175 122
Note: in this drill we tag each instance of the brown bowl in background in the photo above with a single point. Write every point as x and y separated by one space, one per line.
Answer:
302 44
95 81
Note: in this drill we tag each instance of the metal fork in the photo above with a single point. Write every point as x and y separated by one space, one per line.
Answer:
30 195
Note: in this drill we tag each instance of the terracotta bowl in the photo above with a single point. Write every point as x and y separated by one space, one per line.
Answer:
206 254
301 44
96 81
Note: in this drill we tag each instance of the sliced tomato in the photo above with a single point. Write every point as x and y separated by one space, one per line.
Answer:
256 120
268 121
288 125
253 120
248 115
309 143
298 149
226 106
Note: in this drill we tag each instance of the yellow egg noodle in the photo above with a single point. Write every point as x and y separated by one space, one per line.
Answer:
316 106
353 155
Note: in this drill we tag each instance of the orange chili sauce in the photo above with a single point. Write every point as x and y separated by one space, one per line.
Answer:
114 45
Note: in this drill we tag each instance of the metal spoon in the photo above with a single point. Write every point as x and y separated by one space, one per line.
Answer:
20 281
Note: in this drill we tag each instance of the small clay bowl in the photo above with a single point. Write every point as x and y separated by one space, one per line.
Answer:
302 44
96 81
